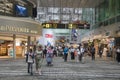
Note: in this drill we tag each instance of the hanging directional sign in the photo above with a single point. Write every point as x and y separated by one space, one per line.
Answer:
65 26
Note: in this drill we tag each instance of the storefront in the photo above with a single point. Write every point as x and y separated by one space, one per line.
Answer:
17 35
108 36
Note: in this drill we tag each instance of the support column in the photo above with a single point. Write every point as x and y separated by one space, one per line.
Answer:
28 43
34 47
14 46
70 35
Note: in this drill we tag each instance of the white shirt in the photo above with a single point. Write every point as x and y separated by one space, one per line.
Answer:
82 50
78 51
30 60
72 50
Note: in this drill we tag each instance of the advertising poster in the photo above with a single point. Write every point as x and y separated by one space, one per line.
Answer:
74 35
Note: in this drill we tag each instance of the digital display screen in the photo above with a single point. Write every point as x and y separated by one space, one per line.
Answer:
65 26
21 11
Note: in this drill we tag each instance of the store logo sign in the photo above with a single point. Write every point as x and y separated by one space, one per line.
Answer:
17 29
48 35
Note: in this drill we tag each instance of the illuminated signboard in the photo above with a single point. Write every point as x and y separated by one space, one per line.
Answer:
71 26
47 25
48 35
53 26
65 26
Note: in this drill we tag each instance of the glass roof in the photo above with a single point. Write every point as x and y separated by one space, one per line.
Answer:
65 15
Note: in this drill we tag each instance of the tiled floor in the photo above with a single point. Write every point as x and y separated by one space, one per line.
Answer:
16 69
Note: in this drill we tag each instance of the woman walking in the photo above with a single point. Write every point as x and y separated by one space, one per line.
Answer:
39 59
49 56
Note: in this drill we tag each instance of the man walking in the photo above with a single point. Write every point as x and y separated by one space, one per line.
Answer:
65 53
93 52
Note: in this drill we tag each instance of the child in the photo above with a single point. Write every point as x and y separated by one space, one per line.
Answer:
30 61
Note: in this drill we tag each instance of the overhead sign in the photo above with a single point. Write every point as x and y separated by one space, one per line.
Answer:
65 26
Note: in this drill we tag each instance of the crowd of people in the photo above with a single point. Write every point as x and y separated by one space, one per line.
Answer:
48 52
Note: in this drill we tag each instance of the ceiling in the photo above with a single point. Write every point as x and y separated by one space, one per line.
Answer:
68 7
69 3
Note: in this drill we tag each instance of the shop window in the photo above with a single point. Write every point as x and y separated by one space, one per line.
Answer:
3 49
